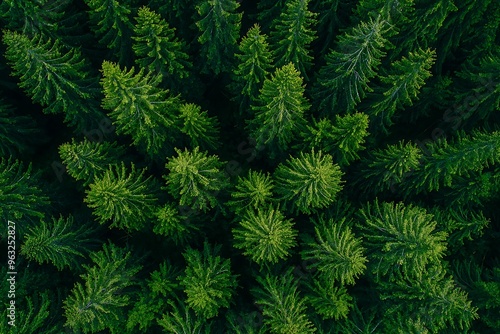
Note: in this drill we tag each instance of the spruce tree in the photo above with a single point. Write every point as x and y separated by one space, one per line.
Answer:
265 235
328 299
195 178
308 182
157 48
172 224
207 281
126 198
279 109
292 34
202 130
182 319
139 108
252 192
219 26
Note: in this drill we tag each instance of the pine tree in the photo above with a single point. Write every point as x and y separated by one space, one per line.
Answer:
138 107
343 81
87 160
254 62
170 223
252 192
124 197
308 182
16 132
283 307
402 85
401 239
328 300
219 26
265 235
99 302
335 252
202 130
195 178
279 110
292 34
183 320
57 79
207 281
112 26
157 48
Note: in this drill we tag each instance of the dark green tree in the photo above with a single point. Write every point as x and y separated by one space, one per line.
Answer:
219 26
182 319
252 192
139 108
202 129
265 235
195 178
328 299
308 182
16 132
170 223
207 281
126 198
292 34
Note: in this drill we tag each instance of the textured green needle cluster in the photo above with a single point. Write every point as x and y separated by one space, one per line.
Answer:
202 129
328 299
16 132
252 192
170 223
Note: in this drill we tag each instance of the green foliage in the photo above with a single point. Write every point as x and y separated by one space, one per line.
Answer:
219 25
401 239
292 34
138 107
283 307
56 78
343 81
88 160
280 109
328 300
265 235
335 252
124 197
183 320
170 223
59 242
207 281
157 48
16 131
195 178
202 129
308 182
252 192
99 302
254 63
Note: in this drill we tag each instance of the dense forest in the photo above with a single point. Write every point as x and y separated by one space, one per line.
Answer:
273 166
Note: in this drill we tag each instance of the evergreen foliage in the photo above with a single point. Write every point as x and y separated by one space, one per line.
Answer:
252 192
202 129
170 223
16 132
328 300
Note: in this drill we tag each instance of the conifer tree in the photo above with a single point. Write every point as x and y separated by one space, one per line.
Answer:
195 178
57 79
402 239
292 34
202 130
284 309
402 84
59 242
219 26
87 160
111 24
279 110
335 252
268 11
170 223
127 198
328 300
99 302
16 132
308 182
207 281
252 192
157 48
265 235
138 107
254 63
343 81
182 319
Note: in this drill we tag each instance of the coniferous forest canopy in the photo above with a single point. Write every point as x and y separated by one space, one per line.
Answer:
273 166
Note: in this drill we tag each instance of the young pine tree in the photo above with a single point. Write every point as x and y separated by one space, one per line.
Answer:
254 62
57 79
99 302
195 178
279 110
207 281
139 108
127 198
292 35
202 130
182 319
59 242
219 25
172 224
308 182
157 48
265 235
252 192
